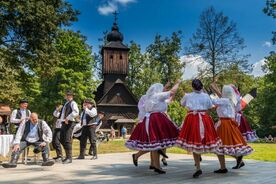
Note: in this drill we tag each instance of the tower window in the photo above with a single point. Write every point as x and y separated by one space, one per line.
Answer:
121 57
111 56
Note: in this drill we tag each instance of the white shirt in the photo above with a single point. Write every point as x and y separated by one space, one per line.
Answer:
157 102
91 113
23 115
197 101
32 136
47 133
70 117
225 109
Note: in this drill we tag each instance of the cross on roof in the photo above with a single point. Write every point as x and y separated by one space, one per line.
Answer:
115 13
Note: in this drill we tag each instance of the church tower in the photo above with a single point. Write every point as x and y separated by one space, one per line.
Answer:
115 57
113 96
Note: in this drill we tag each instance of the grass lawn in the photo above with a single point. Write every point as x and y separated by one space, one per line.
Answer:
263 151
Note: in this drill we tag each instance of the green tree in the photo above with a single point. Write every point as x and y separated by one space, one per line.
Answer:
74 71
218 42
163 56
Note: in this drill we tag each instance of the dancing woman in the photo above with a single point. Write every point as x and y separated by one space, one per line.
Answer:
198 134
233 143
156 131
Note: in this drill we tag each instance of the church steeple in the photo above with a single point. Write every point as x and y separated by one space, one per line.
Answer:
115 56
115 35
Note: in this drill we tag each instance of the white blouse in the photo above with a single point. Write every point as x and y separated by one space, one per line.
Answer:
197 101
225 109
157 102
141 108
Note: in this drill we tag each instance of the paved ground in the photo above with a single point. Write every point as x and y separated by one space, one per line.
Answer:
118 168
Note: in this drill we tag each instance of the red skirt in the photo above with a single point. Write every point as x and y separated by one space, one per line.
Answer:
233 143
162 133
246 131
191 139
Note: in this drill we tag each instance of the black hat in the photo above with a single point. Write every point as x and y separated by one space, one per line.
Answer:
23 101
89 101
101 112
69 92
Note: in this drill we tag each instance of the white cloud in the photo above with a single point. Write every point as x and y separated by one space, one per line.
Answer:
108 8
267 44
125 2
112 5
193 64
257 69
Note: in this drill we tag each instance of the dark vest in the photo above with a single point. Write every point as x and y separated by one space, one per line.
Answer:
89 119
27 130
19 115
68 109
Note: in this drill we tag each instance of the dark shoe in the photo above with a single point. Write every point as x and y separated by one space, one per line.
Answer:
161 152
151 167
239 166
9 165
80 157
59 159
48 163
222 171
94 158
159 171
164 161
197 173
135 161
67 161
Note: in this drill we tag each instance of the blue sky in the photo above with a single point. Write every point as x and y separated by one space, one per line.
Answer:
141 20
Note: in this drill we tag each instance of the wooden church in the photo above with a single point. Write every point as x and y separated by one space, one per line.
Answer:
113 96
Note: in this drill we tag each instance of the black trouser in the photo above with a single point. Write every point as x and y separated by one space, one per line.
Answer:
66 137
56 142
88 132
25 144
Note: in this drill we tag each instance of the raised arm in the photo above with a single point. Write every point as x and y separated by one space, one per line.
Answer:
215 89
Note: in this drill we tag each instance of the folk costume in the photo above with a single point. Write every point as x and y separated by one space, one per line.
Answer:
89 124
233 143
56 140
69 111
198 133
156 131
19 114
244 127
32 134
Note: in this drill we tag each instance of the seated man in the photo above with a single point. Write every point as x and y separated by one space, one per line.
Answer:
34 132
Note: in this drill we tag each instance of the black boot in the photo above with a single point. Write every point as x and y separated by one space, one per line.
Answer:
68 158
240 163
81 155
46 161
13 162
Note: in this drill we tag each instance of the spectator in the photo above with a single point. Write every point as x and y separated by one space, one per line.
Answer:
124 132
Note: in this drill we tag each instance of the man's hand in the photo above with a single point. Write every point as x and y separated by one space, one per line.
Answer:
21 120
66 121
15 148
43 144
